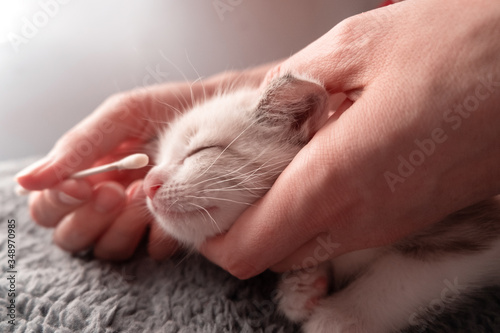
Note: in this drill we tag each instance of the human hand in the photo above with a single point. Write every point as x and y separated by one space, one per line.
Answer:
107 211
416 139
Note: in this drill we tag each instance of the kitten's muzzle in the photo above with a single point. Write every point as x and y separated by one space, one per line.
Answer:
152 183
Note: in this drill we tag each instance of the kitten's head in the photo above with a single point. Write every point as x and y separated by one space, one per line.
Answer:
221 156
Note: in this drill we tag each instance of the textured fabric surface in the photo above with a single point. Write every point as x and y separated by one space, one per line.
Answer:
58 292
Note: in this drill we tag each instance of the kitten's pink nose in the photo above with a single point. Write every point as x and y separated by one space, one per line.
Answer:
152 184
152 191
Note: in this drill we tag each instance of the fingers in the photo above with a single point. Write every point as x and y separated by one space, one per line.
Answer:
81 228
127 116
106 217
250 246
261 237
121 239
48 207
255 242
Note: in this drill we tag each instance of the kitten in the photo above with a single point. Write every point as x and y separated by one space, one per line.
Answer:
225 153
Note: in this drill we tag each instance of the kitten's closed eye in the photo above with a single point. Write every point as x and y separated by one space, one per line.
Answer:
197 150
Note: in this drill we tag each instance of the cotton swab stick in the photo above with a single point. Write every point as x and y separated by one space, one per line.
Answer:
135 161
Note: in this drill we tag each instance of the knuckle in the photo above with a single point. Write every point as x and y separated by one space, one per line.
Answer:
361 32
351 30
38 215
345 31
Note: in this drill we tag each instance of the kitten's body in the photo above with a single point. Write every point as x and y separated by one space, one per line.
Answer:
224 154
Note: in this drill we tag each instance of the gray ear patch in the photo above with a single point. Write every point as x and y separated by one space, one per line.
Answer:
295 107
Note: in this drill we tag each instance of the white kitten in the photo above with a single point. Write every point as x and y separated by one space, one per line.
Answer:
224 154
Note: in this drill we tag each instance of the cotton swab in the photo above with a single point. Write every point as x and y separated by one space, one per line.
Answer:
135 161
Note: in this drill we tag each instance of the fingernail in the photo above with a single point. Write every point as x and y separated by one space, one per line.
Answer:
21 191
30 168
109 197
68 199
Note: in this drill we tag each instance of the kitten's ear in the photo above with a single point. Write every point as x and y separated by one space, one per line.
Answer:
296 107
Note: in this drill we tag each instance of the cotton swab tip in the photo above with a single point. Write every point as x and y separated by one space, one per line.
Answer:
135 161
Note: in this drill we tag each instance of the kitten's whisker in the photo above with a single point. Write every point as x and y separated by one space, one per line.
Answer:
176 67
199 77
173 203
171 107
248 177
221 199
253 192
208 213
188 253
183 104
227 147
224 177
254 174
232 188
193 99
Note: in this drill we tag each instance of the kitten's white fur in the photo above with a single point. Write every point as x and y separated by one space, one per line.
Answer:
224 154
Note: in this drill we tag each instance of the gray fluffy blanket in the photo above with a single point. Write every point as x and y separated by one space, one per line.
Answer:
58 292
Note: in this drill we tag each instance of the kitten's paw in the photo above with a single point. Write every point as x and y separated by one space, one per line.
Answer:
300 292
328 320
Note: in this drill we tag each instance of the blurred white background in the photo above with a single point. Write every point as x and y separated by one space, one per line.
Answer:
59 59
